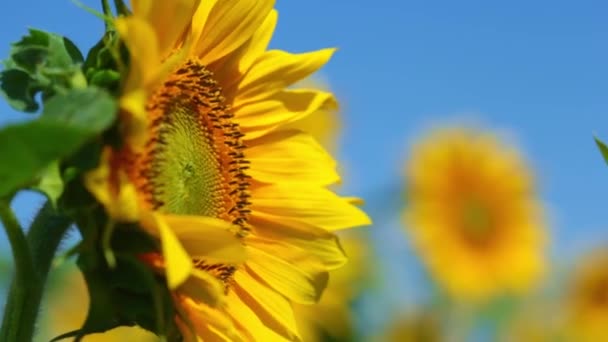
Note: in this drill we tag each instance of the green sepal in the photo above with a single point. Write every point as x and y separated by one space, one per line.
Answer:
108 79
101 56
40 62
106 62
50 183
66 124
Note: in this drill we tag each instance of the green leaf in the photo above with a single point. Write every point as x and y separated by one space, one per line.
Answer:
603 148
91 109
67 123
40 62
44 49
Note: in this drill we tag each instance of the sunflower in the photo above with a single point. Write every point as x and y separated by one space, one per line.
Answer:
473 215
332 316
210 166
587 300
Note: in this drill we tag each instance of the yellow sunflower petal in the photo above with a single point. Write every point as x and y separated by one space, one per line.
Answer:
259 41
354 200
178 263
279 238
295 277
199 20
313 205
227 26
210 324
168 18
281 108
140 38
276 70
230 69
204 288
291 157
207 237
323 124
249 321
273 309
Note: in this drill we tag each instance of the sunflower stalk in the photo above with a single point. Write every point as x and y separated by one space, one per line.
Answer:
33 257
25 281
121 7
107 11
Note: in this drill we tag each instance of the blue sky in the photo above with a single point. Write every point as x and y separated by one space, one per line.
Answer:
534 71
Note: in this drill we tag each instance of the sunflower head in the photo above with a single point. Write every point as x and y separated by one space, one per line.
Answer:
218 166
587 299
473 215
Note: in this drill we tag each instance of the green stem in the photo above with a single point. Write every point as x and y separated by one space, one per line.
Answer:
44 237
107 11
121 8
25 276
25 294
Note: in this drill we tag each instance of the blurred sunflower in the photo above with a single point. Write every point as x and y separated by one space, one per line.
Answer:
587 300
237 198
332 316
473 215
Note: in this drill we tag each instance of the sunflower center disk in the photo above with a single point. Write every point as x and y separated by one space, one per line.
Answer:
193 163
476 221
599 294
188 170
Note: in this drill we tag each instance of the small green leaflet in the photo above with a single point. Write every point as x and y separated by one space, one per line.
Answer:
40 62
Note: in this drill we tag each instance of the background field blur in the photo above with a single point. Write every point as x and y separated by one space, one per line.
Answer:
534 72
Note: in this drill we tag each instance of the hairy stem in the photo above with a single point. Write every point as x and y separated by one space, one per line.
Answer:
33 258
25 280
